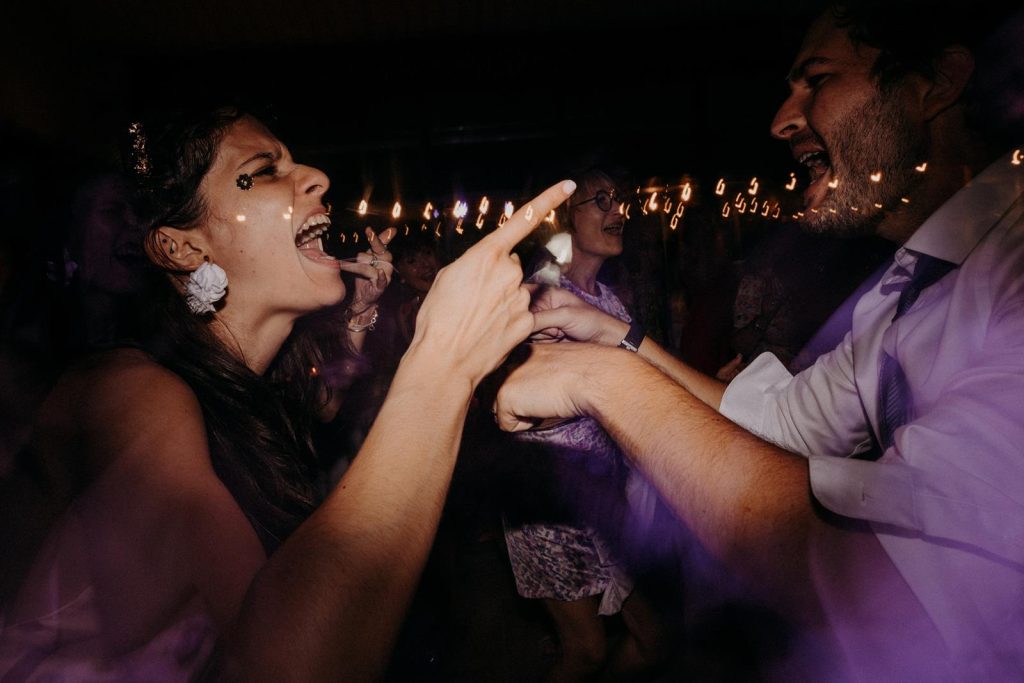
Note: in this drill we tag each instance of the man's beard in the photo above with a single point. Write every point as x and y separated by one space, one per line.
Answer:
877 137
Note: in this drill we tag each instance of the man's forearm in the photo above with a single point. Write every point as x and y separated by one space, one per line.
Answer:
707 389
747 501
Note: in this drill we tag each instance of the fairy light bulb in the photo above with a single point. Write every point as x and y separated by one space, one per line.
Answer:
362 208
396 210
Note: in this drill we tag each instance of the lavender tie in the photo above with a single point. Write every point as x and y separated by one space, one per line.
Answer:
895 402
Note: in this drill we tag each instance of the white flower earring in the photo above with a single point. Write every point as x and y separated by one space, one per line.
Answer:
206 286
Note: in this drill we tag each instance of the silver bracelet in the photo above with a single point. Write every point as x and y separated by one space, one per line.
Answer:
356 327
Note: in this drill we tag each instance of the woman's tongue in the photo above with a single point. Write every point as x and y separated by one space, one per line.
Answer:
314 251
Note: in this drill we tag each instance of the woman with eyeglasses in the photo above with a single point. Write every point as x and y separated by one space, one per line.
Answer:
565 553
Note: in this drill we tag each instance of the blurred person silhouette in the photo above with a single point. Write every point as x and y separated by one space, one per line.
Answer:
569 553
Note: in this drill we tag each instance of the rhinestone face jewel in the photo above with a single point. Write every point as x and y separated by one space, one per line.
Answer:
244 181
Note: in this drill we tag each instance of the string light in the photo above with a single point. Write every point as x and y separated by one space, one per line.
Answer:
922 168
744 202
1016 158
876 176
677 215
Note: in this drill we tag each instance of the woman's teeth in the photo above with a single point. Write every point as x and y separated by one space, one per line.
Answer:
313 229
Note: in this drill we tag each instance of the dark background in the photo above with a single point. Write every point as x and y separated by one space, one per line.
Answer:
423 100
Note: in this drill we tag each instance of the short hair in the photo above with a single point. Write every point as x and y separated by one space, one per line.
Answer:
912 34
586 178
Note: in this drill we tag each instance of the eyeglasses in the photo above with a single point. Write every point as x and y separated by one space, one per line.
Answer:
604 199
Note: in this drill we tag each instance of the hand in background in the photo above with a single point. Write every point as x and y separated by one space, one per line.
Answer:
373 270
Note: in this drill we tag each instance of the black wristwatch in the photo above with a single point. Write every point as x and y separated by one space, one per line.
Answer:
633 338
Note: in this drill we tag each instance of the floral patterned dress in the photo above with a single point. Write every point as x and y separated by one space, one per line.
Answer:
569 560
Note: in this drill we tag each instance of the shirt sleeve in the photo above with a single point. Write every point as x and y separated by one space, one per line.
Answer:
817 411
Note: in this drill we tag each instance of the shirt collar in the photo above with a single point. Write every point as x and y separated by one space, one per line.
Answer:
952 232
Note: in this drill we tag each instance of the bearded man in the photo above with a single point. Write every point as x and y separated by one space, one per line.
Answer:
877 497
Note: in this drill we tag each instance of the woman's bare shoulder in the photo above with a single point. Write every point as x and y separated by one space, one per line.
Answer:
129 382
122 403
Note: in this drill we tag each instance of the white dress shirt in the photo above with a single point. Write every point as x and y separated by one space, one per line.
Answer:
947 500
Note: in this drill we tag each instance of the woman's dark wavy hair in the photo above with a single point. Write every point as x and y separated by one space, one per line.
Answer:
258 427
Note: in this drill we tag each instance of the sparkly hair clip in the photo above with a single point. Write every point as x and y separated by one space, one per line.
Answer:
140 156
244 181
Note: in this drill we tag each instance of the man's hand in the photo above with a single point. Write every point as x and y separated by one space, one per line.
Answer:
553 383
